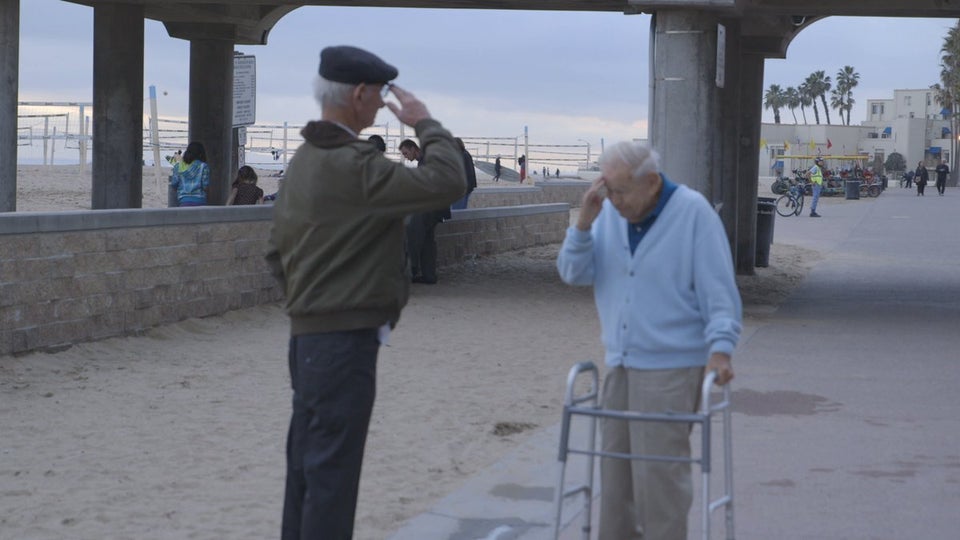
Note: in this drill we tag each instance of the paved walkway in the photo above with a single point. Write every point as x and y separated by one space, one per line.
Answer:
846 398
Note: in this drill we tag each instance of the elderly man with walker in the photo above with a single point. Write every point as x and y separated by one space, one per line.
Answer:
658 259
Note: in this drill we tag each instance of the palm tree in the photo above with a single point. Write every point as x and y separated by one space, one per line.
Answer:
947 92
807 89
838 100
774 99
792 101
847 80
819 84
805 101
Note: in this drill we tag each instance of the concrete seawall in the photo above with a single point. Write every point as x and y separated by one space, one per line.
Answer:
68 277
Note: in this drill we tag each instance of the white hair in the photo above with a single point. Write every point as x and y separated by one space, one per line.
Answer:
330 93
640 159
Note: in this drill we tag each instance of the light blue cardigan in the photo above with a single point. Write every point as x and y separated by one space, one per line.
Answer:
671 303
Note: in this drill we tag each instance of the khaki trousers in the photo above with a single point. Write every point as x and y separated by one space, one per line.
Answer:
645 499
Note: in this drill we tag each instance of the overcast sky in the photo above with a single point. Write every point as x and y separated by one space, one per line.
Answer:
567 76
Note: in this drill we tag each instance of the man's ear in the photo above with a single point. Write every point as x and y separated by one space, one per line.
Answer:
357 94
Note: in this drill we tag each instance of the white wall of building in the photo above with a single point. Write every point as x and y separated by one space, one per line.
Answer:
910 124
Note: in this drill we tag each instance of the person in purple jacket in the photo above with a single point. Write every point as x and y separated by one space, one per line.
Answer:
658 259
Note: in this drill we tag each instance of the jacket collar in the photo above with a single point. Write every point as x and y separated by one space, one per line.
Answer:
326 134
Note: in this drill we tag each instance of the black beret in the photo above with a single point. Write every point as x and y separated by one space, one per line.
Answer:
351 65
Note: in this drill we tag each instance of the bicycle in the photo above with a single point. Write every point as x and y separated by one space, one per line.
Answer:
791 203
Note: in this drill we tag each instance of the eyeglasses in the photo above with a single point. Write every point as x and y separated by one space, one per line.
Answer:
385 90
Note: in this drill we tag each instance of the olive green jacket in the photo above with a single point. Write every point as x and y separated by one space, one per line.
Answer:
337 242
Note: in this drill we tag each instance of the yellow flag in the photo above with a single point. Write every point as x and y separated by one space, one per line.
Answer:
763 143
786 145
813 145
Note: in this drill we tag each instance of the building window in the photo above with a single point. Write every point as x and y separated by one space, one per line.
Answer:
911 114
906 101
928 99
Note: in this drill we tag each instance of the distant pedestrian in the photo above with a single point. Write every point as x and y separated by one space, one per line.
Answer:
942 171
522 161
907 180
244 190
920 177
378 142
421 229
191 177
558 173
471 171
496 170
815 174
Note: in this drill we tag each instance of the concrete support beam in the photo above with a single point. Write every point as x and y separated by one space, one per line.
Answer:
685 102
9 81
725 189
751 111
211 111
695 123
117 106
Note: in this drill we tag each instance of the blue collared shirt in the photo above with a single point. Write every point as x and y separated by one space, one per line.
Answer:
636 231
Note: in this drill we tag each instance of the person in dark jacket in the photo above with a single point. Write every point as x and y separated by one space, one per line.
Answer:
471 171
244 190
336 247
921 177
421 229
942 171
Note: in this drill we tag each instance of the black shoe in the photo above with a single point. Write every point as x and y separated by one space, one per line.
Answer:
814 214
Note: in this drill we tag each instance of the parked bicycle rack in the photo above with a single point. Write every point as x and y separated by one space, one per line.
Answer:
572 406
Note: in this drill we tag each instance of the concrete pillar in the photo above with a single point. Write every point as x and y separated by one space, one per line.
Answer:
696 123
725 188
9 81
211 111
751 112
117 106
685 102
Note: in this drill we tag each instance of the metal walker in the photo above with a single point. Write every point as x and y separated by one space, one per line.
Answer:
572 406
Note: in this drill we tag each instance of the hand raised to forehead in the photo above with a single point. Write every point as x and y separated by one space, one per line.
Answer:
411 110
591 205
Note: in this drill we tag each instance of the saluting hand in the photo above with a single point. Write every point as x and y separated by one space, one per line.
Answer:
411 110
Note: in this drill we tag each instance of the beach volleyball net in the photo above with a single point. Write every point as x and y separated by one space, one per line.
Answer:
58 133
52 132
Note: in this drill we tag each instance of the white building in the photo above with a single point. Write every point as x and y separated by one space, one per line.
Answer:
911 123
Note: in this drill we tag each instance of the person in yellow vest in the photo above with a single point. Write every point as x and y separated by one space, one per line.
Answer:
816 178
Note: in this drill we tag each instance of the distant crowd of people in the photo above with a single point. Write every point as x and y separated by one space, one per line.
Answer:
920 177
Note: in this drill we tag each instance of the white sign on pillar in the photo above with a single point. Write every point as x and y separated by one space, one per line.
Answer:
244 90
242 146
721 54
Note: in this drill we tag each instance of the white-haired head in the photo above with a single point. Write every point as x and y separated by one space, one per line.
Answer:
638 158
330 93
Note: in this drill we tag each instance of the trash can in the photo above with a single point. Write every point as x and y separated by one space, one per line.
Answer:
852 188
766 212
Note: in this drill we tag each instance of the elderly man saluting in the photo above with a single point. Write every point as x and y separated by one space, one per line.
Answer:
337 248
659 262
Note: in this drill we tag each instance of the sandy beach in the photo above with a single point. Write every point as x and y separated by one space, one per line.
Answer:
180 433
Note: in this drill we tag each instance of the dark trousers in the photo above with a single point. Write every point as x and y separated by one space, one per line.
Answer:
941 185
333 376
422 245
